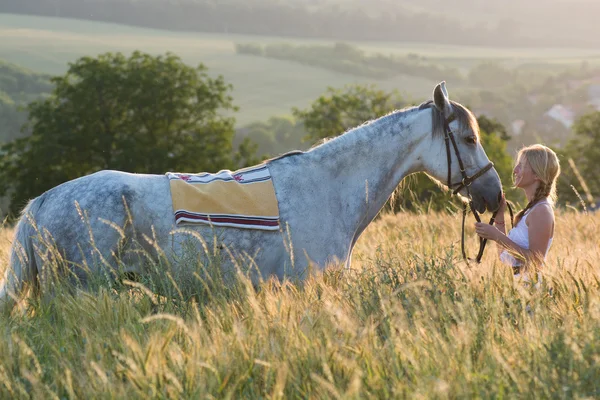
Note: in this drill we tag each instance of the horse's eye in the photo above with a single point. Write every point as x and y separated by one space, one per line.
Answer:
471 140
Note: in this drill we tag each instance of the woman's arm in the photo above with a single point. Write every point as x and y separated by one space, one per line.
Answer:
540 222
501 225
505 243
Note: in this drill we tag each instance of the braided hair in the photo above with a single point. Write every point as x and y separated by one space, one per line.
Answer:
541 192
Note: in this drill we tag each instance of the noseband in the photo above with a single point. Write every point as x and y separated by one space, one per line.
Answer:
465 183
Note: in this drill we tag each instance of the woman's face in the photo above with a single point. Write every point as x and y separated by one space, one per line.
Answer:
523 174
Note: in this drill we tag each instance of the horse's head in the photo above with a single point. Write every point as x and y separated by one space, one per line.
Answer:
456 141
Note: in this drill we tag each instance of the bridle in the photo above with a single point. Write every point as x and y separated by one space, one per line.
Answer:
465 183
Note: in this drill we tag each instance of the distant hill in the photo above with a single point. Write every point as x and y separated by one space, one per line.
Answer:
551 23
265 87
18 86
262 87
498 82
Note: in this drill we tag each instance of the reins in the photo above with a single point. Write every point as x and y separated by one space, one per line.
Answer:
465 183
482 241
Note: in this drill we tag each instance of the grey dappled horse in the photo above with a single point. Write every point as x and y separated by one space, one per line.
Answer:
327 196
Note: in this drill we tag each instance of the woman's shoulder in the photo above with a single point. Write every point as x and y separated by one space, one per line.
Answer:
541 212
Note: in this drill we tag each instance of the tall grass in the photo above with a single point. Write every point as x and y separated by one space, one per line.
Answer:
409 319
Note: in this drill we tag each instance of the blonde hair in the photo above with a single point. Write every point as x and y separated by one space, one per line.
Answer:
545 165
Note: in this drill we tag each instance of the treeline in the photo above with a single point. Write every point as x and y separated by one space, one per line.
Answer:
284 19
348 59
108 117
522 93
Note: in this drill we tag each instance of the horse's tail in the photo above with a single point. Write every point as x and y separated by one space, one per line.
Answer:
22 266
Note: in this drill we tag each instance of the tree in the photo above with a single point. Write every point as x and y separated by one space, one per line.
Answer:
274 136
140 114
338 110
494 140
584 151
492 125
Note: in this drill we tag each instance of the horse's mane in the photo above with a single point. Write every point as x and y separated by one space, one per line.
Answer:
286 154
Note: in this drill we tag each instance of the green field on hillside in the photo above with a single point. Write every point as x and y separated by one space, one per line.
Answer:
262 87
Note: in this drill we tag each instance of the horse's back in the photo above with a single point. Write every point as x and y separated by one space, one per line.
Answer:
105 194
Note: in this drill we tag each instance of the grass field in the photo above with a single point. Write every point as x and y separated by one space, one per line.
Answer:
262 87
410 320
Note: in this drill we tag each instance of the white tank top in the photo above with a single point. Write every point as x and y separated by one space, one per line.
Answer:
520 235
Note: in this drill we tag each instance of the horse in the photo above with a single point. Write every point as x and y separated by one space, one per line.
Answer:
327 196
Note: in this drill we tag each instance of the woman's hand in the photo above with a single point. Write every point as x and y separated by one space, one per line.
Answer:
487 231
501 209
502 206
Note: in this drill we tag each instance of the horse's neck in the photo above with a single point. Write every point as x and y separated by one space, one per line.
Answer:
361 168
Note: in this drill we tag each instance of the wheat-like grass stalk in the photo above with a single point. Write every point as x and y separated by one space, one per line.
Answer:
409 319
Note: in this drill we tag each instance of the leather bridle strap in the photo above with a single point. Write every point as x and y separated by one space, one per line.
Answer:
465 183
467 180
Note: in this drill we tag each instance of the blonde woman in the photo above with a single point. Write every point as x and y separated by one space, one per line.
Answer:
536 170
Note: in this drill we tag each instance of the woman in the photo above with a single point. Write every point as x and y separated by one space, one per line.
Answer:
536 171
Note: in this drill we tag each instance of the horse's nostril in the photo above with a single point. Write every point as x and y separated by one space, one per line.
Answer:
500 196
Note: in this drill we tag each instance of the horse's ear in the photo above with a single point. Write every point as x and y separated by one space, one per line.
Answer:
441 100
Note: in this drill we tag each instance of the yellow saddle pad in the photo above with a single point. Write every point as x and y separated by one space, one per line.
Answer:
243 199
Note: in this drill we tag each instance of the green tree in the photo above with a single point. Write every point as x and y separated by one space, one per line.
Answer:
492 125
338 110
274 136
494 140
584 151
145 114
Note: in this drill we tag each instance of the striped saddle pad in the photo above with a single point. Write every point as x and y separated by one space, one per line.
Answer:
243 199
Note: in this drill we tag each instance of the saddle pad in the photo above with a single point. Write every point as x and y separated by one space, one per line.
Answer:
243 199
